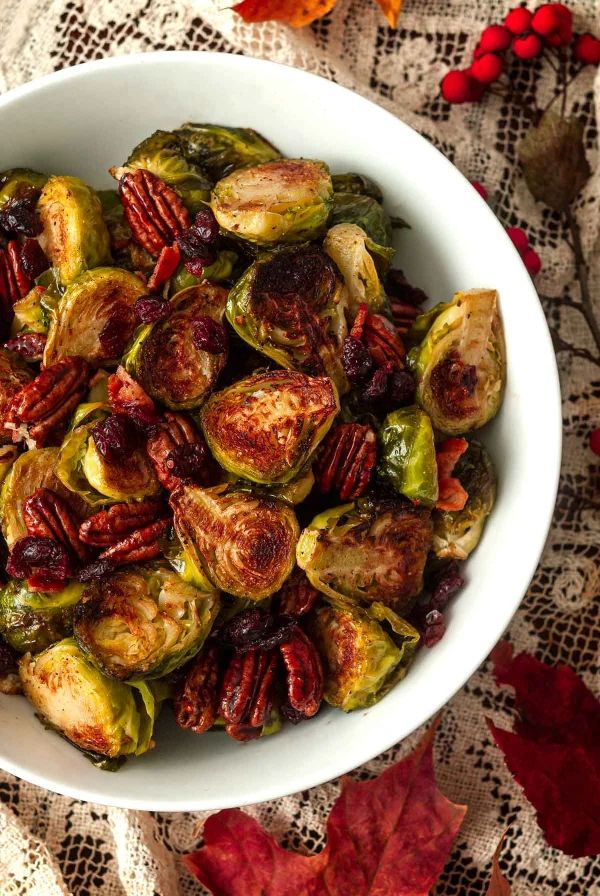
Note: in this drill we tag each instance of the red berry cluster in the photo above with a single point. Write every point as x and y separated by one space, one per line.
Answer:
526 33
519 239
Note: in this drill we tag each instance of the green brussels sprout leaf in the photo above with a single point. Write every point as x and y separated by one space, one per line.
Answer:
366 213
31 621
407 455
220 150
351 249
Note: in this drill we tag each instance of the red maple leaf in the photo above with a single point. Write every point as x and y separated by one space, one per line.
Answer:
554 752
385 837
302 12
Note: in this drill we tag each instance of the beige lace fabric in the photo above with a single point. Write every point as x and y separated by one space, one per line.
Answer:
51 845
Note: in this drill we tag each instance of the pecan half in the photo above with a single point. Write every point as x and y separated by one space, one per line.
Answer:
248 691
48 400
305 678
347 462
136 547
197 702
153 210
20 264
404 315
111 526
383 342
174 431
297 596
46 515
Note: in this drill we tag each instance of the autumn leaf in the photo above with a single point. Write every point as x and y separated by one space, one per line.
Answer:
554 751
302 12
553 159
386 837
499 886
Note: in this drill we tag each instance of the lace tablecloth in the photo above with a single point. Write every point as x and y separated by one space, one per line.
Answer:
52 845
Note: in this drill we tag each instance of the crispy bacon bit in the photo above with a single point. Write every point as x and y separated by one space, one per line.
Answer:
165 267
452 495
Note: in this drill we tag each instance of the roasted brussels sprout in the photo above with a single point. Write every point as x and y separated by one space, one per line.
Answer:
31 313
353 253
367 214
371 550
407 455
104 718
358 184
460 365
92 301
290 305
14 373
162 154
74 235
365 652
8 455
220 150
142 622
97 479
16 183
285 201
265 427
164 359
217 272
31 621
183 564
32 470
457 533
293 492
244 543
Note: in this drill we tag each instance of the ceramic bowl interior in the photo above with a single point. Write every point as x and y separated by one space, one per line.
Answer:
82 121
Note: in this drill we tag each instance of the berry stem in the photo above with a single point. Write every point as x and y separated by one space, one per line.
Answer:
583 277
561 345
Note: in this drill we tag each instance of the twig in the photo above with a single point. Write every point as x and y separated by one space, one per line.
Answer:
562 300
582 275
560 345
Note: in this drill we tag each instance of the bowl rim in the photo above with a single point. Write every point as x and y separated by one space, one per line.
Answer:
267 791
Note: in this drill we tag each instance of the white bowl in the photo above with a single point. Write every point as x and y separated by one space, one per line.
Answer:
83 120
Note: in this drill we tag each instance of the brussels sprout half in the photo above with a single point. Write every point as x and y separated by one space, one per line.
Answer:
285 201
367 214
221 150
265 427
460 365
8 455
83 470
32 470
86 307
16 183
352 250
244 543
290 305
31 621
457 533
14 373
371 550
31 313
162 154
142 622
407 456
163 357
104 718
358 184
74 236
365 652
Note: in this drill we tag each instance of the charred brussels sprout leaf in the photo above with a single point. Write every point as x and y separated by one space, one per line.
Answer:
162 154
285 201
16 183
74 236
88 305
244 543
14 373
32 470
371 550
457 533
366 213
407 455
31 621
290 305
83 470
365 652
265 427
102 717
355 255
221 150
460 364
164 359
358 184
142 622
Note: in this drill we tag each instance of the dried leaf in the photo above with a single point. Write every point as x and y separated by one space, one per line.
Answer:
499 886
554 753
391 10
385 837
292 12
553 159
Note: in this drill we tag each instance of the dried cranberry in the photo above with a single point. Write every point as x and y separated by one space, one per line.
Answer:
150 309
19 214
377 387
27 345
398 286
254 629
402 388
95 570
292 715
356 360
209 335
445 583
32 259
202 258
434 628
195 268
114 335
188 463
116 438
8 658
206 226
42 561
